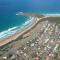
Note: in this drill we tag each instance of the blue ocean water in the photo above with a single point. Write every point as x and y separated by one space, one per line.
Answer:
9 8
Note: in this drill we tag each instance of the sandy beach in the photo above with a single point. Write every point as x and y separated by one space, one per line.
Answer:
18 34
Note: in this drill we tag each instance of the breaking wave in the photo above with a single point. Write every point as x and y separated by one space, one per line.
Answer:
8 32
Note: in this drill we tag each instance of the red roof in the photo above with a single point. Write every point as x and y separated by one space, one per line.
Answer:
47 58
37 58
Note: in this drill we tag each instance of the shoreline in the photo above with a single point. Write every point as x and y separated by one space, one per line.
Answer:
15 36
24 30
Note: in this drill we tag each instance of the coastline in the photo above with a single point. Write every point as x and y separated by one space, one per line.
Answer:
11 31
25 29
20 33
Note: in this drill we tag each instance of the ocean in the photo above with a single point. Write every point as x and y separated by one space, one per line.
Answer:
10 23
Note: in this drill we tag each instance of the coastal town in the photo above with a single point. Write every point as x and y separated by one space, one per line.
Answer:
42 42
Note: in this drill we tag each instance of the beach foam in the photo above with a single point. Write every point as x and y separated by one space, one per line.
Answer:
8 32
28 21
